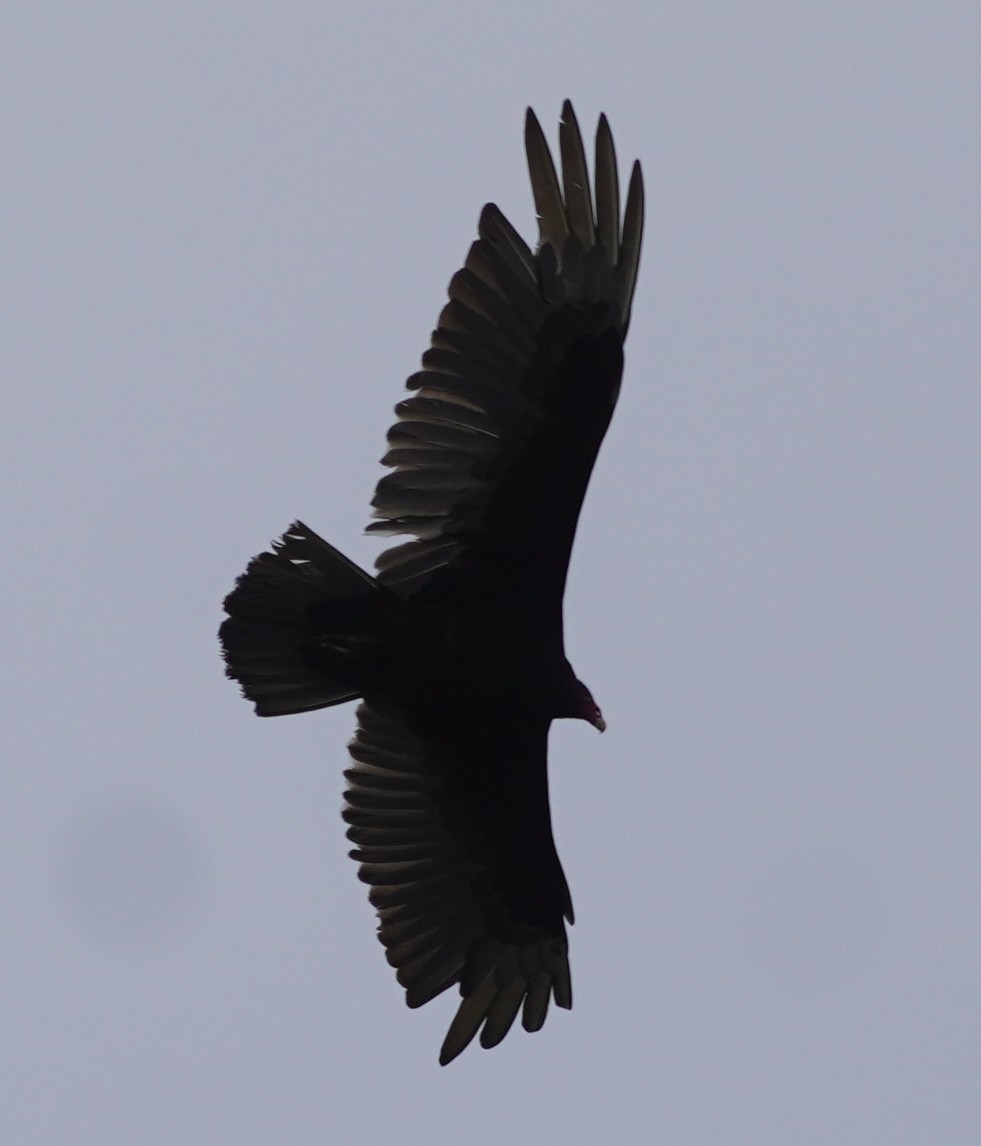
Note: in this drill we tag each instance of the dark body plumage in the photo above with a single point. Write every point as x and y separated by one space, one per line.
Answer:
456 647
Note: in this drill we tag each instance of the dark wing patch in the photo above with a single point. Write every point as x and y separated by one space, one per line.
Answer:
486 390
467 892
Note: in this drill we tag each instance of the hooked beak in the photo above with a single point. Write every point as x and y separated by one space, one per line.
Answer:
588 709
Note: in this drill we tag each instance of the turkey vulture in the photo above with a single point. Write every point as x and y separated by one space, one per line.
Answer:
455 647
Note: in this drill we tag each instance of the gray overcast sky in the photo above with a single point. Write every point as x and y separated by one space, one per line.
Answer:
227 232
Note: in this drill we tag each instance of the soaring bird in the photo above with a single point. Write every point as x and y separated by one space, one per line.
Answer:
455 647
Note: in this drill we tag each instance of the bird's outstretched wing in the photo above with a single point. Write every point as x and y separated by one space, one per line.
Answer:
492 454
453 835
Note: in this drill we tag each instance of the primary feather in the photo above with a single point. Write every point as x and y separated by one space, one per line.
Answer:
455 647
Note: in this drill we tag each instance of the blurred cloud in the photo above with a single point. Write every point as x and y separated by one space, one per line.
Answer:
128 871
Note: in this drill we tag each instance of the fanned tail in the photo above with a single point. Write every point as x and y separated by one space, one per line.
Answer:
292 622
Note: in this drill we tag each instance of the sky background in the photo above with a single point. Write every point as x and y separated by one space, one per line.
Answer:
227 232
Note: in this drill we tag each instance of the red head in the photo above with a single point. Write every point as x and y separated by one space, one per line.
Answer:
587 708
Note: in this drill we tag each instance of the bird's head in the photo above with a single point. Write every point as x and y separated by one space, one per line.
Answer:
587 708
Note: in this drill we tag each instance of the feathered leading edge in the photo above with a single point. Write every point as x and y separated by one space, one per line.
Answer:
490 460
455 844
456 647
498 379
